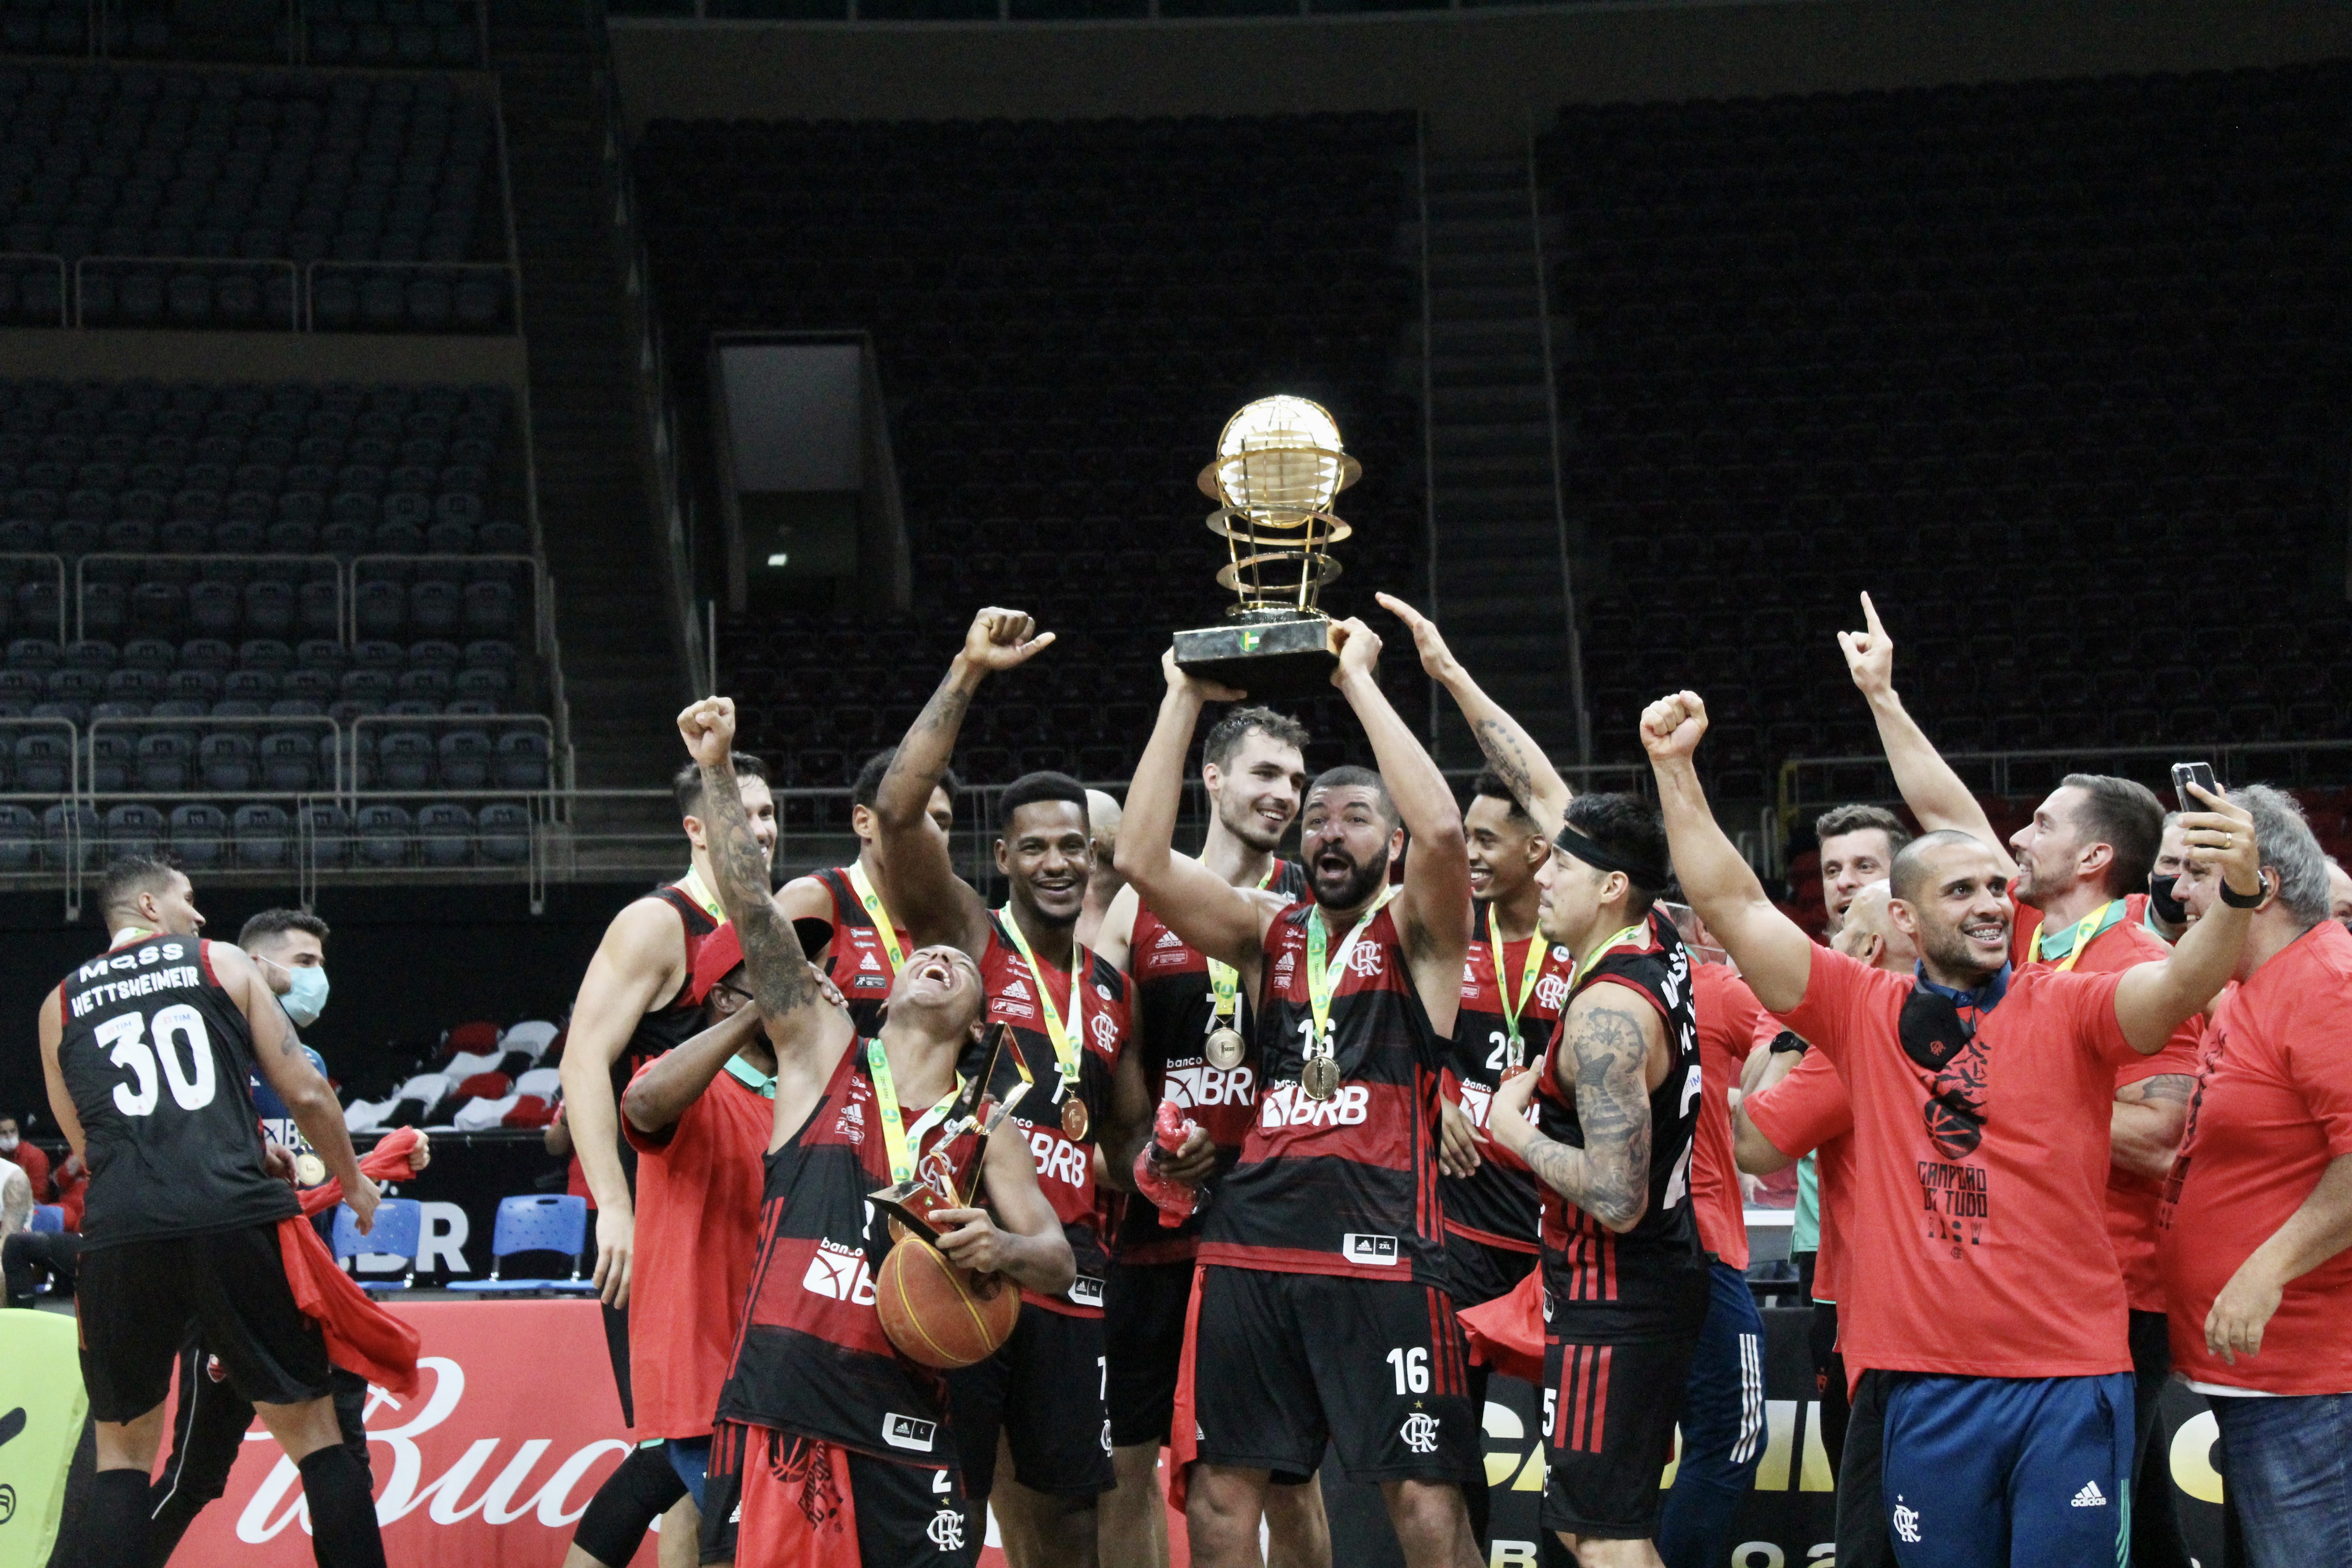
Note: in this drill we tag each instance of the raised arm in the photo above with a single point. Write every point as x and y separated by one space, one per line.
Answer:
1774 957
1510 749
791 1003
1023 1241
310 1098
1602 1059
1223 921
1935 794
938 905
1432 910
660 1095
2153 999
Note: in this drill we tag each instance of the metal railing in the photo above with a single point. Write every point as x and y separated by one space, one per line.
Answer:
300 291
112 29
1559 466
58 262
335 574
505 322
346 574
112 269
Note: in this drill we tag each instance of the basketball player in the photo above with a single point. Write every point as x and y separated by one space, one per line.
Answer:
1320 1312
146 1050
1626 1284
1042 1396
832 1449
1254 769
1513 983
1104 883
643 993
843 915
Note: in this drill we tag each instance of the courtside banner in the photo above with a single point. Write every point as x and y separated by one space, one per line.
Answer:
41 1418
514 1425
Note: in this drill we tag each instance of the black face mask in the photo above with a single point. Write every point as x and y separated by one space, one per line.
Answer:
2168 909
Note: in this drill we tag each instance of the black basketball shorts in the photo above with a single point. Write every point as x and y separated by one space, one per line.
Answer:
790 1499
1044 1389
1283 1363
1609 1430
139 1301
1143 1330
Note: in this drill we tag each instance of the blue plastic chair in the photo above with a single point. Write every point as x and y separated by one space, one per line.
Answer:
535 1224
49 1219
399 1223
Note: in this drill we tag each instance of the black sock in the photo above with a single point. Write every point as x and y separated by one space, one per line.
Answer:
343 1515
644 1489
114 1525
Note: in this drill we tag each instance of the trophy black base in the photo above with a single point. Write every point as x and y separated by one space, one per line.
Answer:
1267 654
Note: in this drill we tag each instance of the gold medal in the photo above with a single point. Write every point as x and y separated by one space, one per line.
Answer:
1074 1117
1224 1049
309 1169
1320 1078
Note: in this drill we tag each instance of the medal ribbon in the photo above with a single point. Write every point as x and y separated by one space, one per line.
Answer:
695 888
1530 969
900 1140
1224 980
863 885
1067 1049
1319 986
2086 930
1631 933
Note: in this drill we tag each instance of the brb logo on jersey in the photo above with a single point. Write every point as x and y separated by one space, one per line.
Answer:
1057 1157
1198 1084
1286 1105
839 1273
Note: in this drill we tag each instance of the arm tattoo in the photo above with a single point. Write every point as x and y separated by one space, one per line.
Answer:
781 980
1609 1178
2176 1087
1510 764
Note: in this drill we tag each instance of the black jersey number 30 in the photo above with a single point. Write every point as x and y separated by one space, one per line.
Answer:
178 1027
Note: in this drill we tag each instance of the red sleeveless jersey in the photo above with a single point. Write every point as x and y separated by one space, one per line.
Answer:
1179 1009
857 962
811 1357
1066 1165
1346 1185
1641 1282
1497 1203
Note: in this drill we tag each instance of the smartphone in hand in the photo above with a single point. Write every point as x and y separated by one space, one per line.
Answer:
2198 773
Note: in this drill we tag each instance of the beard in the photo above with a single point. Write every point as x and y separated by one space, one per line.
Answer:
1944 947
1336 891
1241 822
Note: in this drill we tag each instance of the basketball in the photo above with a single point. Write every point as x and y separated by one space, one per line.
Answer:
939 1314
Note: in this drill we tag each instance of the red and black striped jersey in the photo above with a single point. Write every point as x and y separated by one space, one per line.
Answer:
1497 1203
810 1356
1639 1282
1066 1165
1346 1185
1178 1008
857 962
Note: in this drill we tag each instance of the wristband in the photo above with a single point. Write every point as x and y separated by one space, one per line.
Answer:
1789 1040
2238 900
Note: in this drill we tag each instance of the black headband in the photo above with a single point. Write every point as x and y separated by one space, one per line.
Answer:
1649 879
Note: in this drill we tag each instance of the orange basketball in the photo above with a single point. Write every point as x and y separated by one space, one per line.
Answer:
939 1314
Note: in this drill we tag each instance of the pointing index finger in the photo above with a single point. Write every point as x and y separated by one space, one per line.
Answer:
1870 615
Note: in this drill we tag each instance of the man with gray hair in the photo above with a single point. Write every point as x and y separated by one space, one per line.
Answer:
2339 893
2259 1208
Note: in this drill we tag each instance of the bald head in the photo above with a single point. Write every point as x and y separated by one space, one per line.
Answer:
1102 823
1870 935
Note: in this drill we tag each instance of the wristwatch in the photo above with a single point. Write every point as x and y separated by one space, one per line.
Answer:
2238 900
1790 1040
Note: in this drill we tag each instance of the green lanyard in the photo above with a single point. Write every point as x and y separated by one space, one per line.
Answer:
1065 1037
1530 969
897 1137
2087 930
1576 976
762 1084
1224 980
863 887
695 888
1319 985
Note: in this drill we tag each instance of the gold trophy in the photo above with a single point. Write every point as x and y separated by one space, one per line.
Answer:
1279 467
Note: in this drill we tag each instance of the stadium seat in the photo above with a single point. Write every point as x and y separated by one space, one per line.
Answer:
262 837
398 1226
328 833
71 833
555 1224
20 838
445 834
465 757
382 833
403 760
224 762
289 760
505 833
200 835
163 759
134 828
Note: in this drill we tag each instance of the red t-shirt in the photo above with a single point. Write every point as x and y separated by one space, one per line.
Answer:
1988 1238
1727 1012
1808 1112
2273 1107
699 1184
35 1166
2132 1198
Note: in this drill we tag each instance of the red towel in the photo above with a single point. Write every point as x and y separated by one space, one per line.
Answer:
1507 1332
361 1337
387 1162
1184 1427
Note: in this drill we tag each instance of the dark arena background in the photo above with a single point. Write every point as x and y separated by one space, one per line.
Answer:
407 405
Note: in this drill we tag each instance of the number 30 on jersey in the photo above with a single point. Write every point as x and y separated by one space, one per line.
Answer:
178 1028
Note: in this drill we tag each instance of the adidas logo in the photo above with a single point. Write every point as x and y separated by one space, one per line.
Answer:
2090 1496
867 963
1017 992
1169 938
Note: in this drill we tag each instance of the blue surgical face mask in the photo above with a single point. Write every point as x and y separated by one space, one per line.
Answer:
306 992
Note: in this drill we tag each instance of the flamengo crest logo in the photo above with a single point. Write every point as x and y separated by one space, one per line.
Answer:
1367 960
1419 1432
1106 1031
946 1529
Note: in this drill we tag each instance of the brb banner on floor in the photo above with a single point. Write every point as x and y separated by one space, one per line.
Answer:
514 1425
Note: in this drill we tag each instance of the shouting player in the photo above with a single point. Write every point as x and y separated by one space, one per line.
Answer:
146 1050
832 1448
1042 1393
1195 1047
1320 1312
